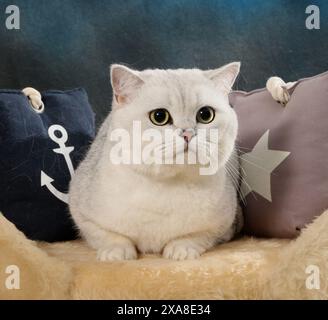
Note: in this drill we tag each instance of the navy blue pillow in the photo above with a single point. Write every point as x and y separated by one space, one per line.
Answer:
38 154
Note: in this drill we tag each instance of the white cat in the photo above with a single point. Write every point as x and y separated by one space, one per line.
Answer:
160 208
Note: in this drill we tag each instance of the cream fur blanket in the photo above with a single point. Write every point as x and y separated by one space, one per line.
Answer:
243 269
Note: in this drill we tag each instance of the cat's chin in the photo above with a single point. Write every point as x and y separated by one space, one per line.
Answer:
168 171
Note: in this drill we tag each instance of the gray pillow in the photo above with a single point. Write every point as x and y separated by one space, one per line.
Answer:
284 157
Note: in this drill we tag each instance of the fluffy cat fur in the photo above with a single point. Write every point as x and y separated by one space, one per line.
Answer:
168 209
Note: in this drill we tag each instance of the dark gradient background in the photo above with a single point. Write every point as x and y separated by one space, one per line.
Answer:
70 43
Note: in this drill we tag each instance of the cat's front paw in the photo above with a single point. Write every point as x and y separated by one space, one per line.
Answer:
117 252
182 250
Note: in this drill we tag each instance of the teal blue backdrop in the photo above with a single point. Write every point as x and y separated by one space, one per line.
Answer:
70 43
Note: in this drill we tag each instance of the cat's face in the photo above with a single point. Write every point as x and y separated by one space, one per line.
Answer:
188 109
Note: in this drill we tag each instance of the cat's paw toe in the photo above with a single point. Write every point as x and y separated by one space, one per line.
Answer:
181 251
117 252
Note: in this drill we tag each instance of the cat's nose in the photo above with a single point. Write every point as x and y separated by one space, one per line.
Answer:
187 134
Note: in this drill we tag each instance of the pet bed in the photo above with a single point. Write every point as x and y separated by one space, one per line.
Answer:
246 268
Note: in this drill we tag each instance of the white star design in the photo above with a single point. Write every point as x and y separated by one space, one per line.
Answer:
257 167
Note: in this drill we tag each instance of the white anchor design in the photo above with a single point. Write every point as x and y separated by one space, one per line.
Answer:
65 151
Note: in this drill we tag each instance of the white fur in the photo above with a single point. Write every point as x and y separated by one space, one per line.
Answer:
279 89
158 208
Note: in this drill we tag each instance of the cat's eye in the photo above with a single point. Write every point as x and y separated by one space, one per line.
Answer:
160 117
205 115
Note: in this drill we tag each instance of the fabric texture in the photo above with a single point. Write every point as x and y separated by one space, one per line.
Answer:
247 268
38 154
283 153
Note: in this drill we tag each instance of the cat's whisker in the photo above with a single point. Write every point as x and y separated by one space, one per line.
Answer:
244 148
254 164
235 183
242 176
241 153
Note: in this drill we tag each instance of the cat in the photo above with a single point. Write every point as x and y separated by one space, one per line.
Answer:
172 209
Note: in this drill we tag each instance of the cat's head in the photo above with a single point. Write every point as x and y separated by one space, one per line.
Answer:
190 103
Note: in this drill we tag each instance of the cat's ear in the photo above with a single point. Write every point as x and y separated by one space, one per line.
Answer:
224 77
125 83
